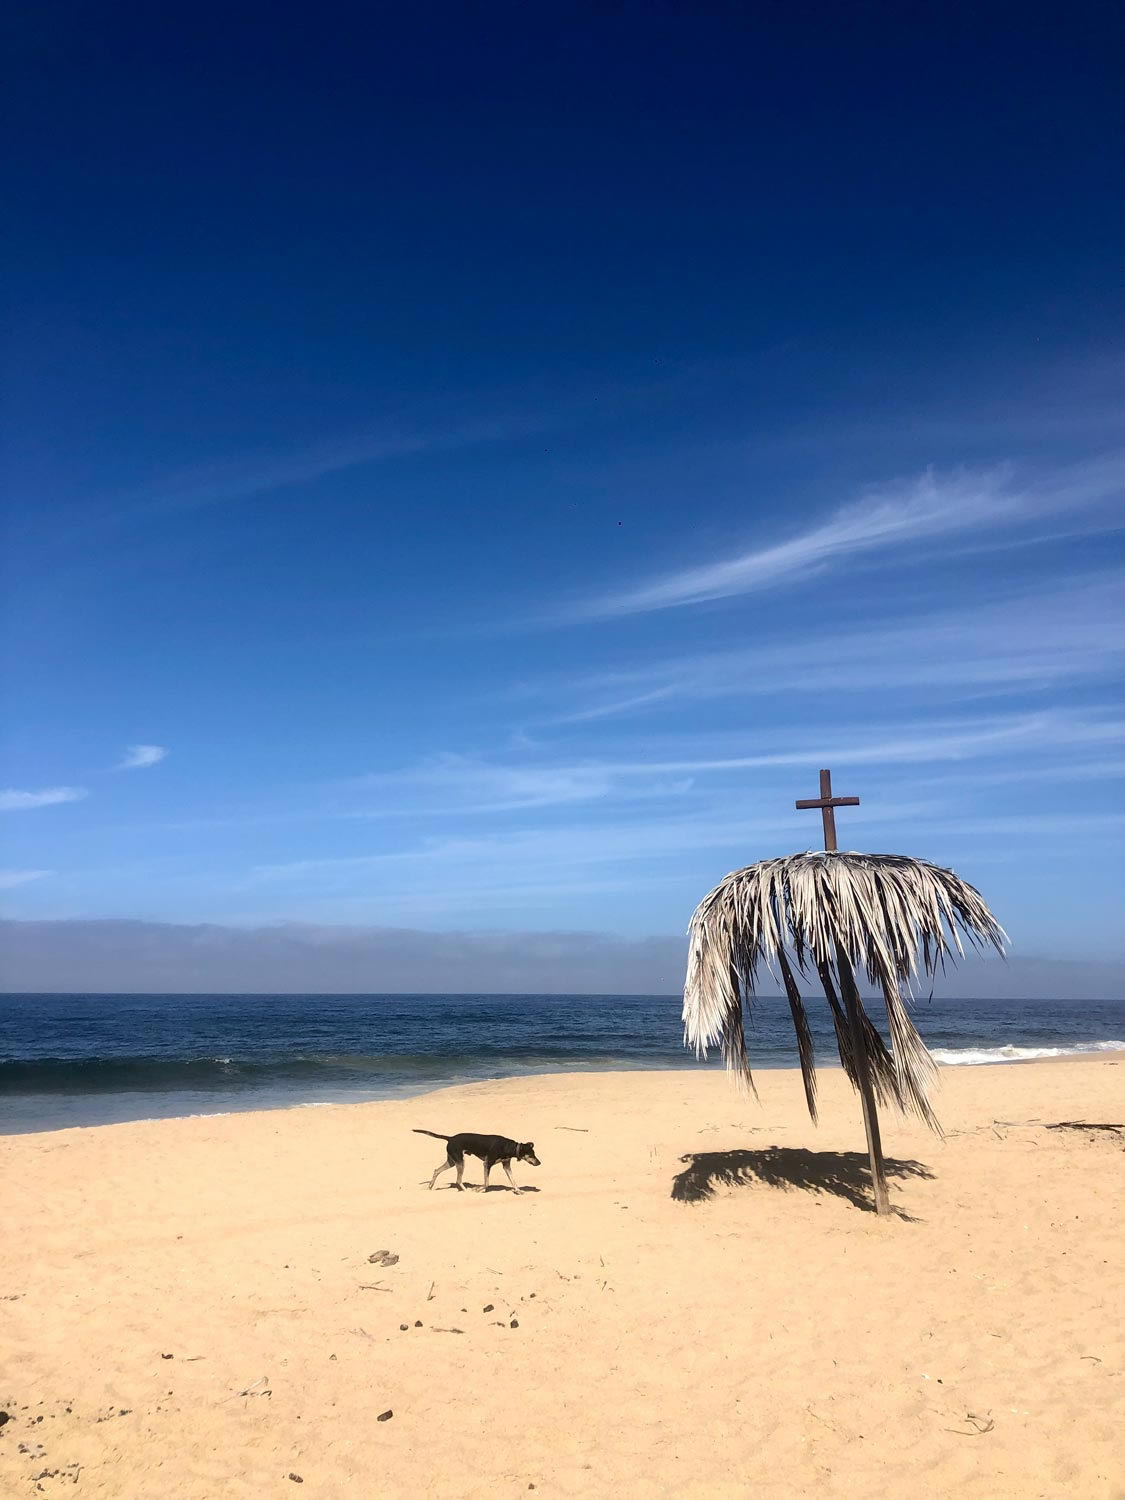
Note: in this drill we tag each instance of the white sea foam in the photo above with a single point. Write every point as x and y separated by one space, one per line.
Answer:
970 1056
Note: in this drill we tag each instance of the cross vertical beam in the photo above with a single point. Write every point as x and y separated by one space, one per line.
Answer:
827 803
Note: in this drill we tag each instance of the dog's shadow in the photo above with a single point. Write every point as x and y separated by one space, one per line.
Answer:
477 1187
843 1174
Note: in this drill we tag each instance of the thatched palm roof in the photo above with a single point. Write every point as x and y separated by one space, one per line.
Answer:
832 913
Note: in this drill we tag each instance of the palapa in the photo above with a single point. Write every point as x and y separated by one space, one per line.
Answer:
834 913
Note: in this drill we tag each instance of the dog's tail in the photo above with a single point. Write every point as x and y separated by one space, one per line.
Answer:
433 1133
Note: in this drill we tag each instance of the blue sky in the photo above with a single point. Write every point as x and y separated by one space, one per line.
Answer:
469 471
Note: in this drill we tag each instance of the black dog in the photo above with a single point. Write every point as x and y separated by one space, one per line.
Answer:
490 1148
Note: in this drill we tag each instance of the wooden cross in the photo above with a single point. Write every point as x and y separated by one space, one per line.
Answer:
826 802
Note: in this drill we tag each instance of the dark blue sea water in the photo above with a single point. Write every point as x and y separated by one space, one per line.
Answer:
95 1059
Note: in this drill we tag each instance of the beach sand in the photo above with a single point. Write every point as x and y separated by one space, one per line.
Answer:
694 1302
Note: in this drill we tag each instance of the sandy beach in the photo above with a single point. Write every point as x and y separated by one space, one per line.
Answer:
694 1301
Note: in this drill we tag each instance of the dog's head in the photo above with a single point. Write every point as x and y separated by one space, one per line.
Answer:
527 1153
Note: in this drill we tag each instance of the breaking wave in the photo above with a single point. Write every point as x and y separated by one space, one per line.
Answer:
952 1057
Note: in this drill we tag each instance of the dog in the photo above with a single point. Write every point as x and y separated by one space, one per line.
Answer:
491 1149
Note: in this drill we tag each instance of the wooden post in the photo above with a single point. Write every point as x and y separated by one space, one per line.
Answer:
866 1092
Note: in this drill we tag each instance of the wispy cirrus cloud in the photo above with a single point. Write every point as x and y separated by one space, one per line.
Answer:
264 473
468 785
665 813
137 757
244 478
534 868
549 857
248 476
9 879
12 800
1042 638
889 518
458 783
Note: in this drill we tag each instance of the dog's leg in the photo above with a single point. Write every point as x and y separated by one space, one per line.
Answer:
445 1166
460 1175
487 1169
511 1179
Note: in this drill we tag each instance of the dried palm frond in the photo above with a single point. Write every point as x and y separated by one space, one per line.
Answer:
834 913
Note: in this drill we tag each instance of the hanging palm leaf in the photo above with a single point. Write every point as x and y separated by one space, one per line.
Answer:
832 914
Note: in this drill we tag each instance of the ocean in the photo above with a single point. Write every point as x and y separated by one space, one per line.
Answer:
68 1060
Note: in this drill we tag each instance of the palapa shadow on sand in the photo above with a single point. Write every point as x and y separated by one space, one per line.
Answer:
843 1174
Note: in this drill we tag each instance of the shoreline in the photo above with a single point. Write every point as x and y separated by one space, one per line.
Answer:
1094 1053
